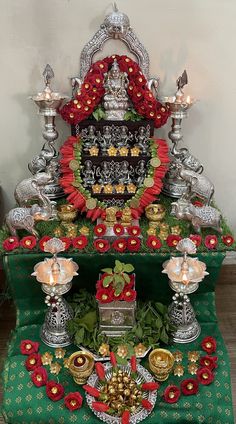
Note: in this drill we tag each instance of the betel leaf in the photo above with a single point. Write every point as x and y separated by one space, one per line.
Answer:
118 279
79 336
128 268
119 288
107 270
107 280
138 331
118 266
126 278
160 308
164 336
88 321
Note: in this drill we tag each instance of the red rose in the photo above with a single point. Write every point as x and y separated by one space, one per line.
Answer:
153 242
39 376
172 240
42 242
129 294
146 404
198 204
101 245
73 401
33 361
27 347
28 242
100 66
92 391
209 362
211 241
133 244
150 386
119 245
113 359
134 230
10 243
100 370
66 241
189 387
54 390
100 406
125 418
118 229
80 242
171 394
100 230
104 295
196 238
205 376
227 239
209 345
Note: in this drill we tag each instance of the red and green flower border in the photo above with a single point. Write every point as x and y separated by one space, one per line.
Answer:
82 199
92 91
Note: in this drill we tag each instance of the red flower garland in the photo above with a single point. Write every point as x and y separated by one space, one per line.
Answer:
92 91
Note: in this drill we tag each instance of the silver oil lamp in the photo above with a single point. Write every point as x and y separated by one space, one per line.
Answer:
48 102
55 275
185 273
179 106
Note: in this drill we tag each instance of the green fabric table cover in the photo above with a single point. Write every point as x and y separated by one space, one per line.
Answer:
24 403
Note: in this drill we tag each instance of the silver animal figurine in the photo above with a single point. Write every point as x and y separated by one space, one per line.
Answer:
197 184
33 189
203 217
25 218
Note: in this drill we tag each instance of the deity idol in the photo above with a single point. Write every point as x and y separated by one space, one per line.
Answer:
116 100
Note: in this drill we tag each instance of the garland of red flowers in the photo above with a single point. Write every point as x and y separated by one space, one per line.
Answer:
79 196
92 92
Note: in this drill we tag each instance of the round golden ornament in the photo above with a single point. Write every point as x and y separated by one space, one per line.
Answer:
91 203
155 162
74 165
148 182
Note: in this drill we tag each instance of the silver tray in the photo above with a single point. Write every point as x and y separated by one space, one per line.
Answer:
143 376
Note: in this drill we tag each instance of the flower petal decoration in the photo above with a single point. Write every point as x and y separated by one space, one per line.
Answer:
153 242
205 376
208 344
147 404
189 387
33 361
227 239
134 230
150 386
100 406
101 245
42 242
196 238
118 229
209 362
92 391
100 229
10 243
211 241
125 418
100 370
80 242
27 347
66 241
172 240
119 245
171 394
73 401
104 295
133 244
28 242
39 376
54 390
129 295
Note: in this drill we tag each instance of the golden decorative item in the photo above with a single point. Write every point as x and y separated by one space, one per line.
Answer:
176 230
112 151
131 188
46 358
135 151
104 349
71 230
123 151
122 351
55 368
91 203
164 231
193 356
151 231
126 218
80 365
58 232
60 353
66 213
94 151
161 362
155 162
84 230
155 213
192 368
178 356
120 188
178 370
148 182
66 363
111 216
140 349
97 188
108 189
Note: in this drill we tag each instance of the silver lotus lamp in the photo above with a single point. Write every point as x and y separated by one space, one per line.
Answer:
184 273
55 274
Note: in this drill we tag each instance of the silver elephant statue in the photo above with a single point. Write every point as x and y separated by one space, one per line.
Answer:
33 189
197 184
25 218
203 217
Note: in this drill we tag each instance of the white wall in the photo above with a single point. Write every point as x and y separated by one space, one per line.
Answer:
197 35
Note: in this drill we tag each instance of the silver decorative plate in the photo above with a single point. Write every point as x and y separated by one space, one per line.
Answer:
107 358
143 376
